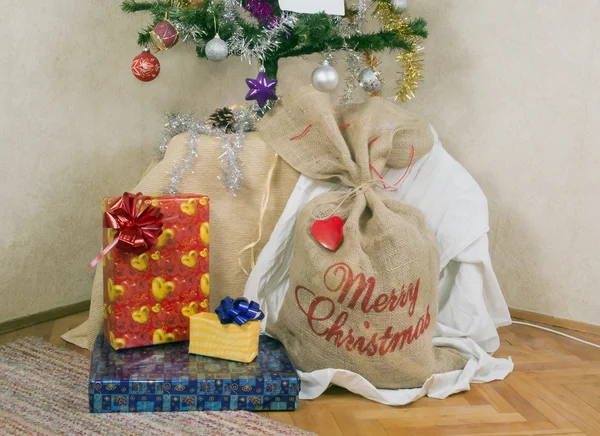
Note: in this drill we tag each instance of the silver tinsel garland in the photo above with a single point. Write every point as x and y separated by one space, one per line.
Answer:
330 57
231 146
354 64
265 43
188 33
356 26
230 11
175 124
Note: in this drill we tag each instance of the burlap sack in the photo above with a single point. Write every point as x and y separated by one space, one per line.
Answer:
233 219
370 306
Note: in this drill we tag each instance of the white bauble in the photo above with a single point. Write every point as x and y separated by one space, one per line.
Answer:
325 78
216 49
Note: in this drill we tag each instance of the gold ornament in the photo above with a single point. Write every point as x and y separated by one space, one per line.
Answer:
412 60
188 4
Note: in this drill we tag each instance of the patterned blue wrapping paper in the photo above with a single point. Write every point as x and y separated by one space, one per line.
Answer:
166 378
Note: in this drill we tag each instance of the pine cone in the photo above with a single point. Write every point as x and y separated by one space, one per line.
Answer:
223 119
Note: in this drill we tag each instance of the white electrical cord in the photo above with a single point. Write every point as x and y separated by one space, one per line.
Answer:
557 332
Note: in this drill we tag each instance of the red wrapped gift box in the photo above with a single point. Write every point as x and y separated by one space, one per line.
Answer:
149 297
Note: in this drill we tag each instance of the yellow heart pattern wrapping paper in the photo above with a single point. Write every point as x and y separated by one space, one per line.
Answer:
149 297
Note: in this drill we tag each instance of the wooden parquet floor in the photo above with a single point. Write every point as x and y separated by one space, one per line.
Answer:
554 390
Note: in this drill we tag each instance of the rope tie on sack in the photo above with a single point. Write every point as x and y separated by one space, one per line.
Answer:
354 191
263 209
351 193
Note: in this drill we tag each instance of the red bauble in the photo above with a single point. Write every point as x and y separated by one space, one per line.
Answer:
164 35
145 66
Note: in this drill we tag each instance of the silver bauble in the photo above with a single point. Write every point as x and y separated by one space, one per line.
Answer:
325 78
369 80
400 5
216 49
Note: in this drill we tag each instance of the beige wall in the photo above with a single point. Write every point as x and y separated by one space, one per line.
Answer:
511 88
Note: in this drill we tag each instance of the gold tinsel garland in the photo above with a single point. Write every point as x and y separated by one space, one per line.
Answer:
412 60
373 61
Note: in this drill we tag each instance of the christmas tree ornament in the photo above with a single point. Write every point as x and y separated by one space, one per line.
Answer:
261 89
216 49
223 119
263 11
370 80
145 66
164 35
188 4
400 5
266 31
325 78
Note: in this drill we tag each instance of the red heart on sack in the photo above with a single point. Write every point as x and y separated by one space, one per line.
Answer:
329 233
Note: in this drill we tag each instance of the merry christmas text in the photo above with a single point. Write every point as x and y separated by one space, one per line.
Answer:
355 292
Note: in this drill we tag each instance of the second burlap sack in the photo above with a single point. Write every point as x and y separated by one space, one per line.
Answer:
233 219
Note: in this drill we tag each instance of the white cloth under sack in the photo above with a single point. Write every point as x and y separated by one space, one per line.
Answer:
471 305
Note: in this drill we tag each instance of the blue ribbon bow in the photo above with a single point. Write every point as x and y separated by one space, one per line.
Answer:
239 311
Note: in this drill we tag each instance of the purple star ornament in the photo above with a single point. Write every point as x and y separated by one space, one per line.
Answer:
261 89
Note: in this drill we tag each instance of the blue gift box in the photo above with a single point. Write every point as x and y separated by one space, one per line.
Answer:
166 378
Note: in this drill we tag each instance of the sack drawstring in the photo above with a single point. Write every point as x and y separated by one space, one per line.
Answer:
263 209
352 192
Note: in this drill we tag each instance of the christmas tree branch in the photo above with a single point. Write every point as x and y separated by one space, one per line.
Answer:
367 42
310 33
131 6
418 27
313 33
271 67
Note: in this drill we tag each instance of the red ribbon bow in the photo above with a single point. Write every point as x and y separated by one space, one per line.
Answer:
138 225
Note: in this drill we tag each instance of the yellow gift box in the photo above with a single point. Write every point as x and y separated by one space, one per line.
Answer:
208 337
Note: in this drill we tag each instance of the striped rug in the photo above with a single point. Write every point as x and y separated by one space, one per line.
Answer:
43 391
